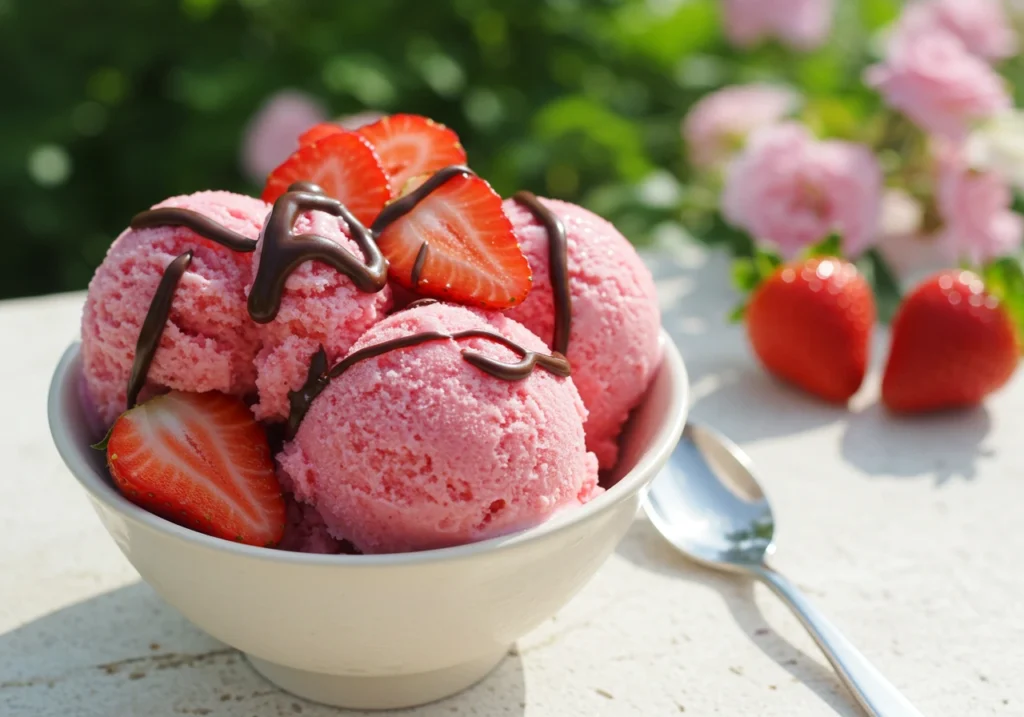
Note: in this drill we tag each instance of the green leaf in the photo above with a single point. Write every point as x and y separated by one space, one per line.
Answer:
102 445
1004 279
887 287
831 246
745 275
737 315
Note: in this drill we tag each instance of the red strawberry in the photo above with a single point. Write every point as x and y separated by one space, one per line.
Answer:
410 145
319 131
200 460
810 324
345 166
952 345
472 256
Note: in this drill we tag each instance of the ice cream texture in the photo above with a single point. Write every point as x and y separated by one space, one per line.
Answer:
419 449
209 342
319 307
394 430
613 343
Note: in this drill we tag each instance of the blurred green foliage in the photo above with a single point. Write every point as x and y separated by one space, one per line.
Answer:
110 106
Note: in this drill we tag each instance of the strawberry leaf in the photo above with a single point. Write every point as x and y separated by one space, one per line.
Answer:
102 444
886 285
1004 279
830 246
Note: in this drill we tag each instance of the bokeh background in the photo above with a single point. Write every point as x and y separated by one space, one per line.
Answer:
108 107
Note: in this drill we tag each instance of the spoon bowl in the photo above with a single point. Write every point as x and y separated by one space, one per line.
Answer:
707 503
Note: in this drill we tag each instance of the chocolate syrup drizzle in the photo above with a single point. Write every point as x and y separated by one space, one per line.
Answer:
319 377
154 323
283 252
558 267
198 223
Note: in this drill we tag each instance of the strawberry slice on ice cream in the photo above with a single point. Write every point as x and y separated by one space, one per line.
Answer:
411 145
344 165
458 245
202 461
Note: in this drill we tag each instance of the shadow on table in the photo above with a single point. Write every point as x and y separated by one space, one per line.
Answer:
643 547
127 652
945 446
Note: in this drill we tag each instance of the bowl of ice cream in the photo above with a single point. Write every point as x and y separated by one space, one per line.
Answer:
371 432
376 631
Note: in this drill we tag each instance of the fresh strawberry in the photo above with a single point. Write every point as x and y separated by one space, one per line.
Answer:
810 324
471 256
318 132
952 345
200 460
344 165
410 145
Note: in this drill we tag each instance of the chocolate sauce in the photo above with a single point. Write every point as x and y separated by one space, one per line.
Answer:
420 302
317 381
403 205
283 252
199 223
558 267
417 266
153 325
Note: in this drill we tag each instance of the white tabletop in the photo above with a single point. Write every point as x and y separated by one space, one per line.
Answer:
907 533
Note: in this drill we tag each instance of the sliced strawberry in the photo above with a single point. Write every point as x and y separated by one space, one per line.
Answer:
318 132
202 461
344 165
409 145
472 256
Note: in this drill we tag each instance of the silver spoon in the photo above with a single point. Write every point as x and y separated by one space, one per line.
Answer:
707 503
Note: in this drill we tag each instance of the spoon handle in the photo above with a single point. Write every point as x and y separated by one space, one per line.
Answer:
876 694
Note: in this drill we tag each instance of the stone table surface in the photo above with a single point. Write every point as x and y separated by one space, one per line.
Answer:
907 533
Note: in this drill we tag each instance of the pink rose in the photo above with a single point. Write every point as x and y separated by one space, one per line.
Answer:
931 78
979 224
716 127
800 24
791 191
981 25
273 132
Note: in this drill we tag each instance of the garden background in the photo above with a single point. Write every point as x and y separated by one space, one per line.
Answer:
110 107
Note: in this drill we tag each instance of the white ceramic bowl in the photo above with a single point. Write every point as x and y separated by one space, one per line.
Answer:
376 631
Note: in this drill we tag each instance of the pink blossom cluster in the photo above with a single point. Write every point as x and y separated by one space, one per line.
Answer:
799 24
790 190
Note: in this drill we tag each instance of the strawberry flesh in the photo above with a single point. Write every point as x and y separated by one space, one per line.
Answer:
318 132
411 145
202 461
472 255
344 165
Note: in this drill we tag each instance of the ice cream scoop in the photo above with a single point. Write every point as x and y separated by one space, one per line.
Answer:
609 321
208 341
417 447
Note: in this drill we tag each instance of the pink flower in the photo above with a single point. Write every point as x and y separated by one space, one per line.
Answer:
273 132
976 209
800 24
791 191
930 77
981 25
717 126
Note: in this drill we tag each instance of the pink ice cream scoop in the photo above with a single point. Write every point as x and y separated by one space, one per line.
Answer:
417 448
319 307
615 322
208 342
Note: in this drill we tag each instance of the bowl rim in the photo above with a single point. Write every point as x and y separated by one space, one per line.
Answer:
100 489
